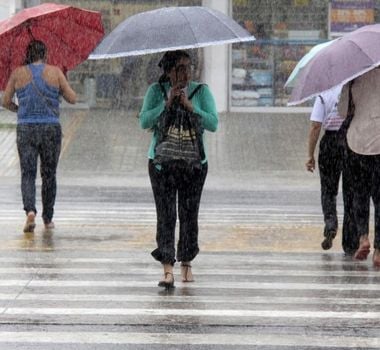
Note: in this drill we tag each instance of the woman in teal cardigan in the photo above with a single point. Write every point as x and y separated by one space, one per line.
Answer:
176 177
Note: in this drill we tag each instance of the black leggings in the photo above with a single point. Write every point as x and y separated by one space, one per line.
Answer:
43 140
177 178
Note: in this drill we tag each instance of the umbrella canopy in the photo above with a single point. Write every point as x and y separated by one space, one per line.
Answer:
69 33
345 59
170 28
303 61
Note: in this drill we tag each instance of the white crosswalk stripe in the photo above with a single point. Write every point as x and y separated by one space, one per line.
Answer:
298 295
141 215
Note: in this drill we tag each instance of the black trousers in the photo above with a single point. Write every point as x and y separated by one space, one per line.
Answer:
332 164
44 141
365 170
173 180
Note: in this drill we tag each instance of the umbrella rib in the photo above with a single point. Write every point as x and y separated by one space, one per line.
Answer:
353 42
211 13
61 40
54 34
183 15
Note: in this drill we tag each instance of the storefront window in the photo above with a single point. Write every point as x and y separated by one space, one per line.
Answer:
285 31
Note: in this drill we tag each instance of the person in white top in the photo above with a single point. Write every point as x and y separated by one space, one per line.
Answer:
360 103
331 166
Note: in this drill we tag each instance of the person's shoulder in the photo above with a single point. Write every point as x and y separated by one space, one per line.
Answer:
331 94
53 69
193 83
154 87
198 85
19 70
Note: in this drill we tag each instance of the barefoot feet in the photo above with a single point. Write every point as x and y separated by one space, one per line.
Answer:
186 273
30 222
363 250
168 279
376 258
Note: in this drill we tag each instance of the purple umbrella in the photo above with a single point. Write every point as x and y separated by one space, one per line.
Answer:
345 59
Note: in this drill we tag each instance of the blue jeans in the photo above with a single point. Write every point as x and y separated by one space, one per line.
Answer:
44 141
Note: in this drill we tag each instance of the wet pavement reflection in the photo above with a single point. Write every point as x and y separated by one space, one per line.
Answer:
261 278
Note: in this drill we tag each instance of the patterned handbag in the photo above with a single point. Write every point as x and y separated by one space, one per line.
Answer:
179 135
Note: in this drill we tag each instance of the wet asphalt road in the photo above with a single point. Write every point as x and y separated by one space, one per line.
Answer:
262 281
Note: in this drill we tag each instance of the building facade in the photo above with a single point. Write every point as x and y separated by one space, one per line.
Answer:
243 77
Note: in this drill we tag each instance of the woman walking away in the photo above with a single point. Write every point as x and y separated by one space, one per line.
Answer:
38 87
177 110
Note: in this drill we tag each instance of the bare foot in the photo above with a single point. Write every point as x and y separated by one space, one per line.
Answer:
49 225
363 250
186 273
30 222
376 257
168 280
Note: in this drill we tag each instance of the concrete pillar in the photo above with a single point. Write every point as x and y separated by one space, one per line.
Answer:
7 8
216 62
31 3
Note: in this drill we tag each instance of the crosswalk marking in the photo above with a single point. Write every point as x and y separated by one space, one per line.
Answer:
147 215
203 272
190 312
250 260
188 299
184 338
281 289
198 285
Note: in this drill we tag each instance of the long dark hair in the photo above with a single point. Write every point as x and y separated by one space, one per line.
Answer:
35 51
168 61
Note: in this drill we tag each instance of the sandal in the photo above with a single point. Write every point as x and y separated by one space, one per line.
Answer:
168 284
30 223
187 275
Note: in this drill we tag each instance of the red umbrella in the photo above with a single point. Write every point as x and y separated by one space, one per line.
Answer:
69 33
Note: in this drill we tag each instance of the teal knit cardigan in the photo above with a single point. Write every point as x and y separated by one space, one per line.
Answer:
154 104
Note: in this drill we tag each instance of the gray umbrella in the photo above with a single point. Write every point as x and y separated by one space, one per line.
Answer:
170 28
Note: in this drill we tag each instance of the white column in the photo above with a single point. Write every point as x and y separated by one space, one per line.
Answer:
6 7
216 62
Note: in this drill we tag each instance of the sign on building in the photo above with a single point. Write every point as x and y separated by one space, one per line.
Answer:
348 15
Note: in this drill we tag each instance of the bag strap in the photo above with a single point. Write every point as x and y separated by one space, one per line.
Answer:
324 105
351 106
195 91
47 102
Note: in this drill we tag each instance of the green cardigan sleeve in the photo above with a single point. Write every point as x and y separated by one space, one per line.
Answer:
204 105
152 107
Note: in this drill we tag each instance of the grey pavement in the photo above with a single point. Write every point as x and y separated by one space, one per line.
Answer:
261 279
